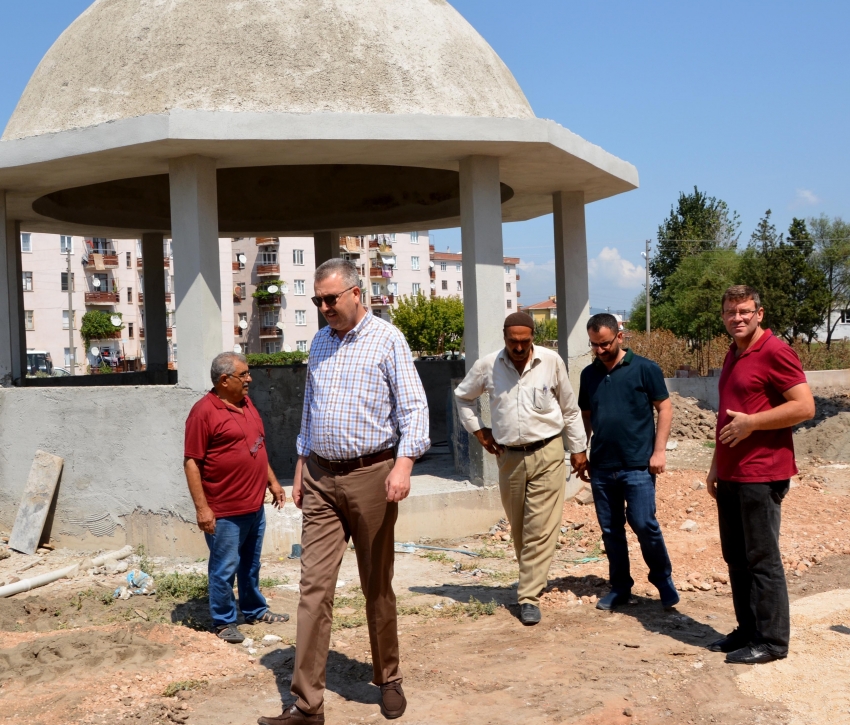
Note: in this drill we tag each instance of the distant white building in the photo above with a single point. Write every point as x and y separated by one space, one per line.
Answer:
447 278
841 320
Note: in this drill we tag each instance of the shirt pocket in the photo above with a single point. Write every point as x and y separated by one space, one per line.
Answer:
542 399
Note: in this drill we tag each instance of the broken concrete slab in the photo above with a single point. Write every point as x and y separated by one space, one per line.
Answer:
35 503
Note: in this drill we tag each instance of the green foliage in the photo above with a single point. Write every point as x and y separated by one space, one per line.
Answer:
430 325
175 687
267 582
182 586
97 325
637 315
696 224
546 330
145 564
262 294
832 256
104 368
259 359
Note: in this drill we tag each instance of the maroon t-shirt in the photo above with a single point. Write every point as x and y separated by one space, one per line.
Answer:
230 450
750 383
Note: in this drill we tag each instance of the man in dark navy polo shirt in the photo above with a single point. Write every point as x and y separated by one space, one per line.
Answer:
763 392
618 393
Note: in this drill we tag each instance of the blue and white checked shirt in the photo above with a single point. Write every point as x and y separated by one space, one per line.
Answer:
363 395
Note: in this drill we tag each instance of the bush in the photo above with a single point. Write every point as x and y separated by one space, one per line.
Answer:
260 359
671 352
97 325
818 357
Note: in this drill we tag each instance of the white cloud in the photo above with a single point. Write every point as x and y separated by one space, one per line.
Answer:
610 269
805 197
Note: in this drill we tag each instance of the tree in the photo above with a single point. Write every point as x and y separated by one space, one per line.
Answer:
97 325
545 331
696 224
637 315
809 291
430 325
832 256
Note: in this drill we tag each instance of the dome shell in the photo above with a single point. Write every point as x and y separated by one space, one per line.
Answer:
129 58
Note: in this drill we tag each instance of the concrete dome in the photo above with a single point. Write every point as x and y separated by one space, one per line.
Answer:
129 58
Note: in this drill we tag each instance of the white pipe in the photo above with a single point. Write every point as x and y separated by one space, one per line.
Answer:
39 581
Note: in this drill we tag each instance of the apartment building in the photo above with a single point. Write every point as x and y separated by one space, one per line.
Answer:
447 277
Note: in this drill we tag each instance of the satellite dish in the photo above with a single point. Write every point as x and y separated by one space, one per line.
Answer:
115 320
284 288
431 265
95 282
287 348
95 351
243 324
272 288
280 325
237 349
433 285
242 259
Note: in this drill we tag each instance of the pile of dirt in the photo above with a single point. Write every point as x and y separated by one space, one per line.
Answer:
691 419
828 440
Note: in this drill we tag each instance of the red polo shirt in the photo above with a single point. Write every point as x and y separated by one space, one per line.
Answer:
231 453
751 383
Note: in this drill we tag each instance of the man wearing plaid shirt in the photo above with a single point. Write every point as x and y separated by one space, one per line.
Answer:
365 422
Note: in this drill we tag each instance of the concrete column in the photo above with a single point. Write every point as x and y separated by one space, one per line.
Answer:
6 323
197 278
225 257
13 336
571 283
325 246
156 342
483 284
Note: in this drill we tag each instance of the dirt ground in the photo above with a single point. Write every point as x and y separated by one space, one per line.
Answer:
70 653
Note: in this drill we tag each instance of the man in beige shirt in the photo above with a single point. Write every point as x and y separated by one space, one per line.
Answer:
531 406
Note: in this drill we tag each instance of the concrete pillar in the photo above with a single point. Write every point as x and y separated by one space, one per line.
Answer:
6 323
326 246
483 283
197 278
571 283
13 336
156 317
225 261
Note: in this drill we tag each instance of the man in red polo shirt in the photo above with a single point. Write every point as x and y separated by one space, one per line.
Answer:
763 393
227 469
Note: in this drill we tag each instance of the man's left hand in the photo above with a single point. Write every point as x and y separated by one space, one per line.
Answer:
740 427
658 463
398 480
578 464
278 494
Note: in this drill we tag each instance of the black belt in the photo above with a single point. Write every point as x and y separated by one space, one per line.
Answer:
352 464
536 446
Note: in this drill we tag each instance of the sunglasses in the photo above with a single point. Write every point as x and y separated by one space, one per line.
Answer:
330 300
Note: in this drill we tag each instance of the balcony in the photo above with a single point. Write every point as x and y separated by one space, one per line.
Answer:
140 263
517 276
110 261
382 300
374 244
270 332
102 298
268 270
270 301
142 333
237 331
433 274
518 294
381 272
267 240
142 298
237 266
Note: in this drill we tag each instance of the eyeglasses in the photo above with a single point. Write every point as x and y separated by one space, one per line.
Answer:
241 376
330 300
745 314
602 345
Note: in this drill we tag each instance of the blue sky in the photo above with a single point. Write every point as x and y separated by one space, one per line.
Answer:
747 100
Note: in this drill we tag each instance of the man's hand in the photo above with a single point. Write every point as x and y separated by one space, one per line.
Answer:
298 482
658 462
485 438
740 427
578 464
206 520
278 494
398 480
711 478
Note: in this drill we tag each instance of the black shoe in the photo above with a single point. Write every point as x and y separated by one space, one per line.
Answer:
613 599
752 654
529 614
731 642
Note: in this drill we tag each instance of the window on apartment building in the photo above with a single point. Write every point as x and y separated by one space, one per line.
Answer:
271 346
65 320
300 317
459 286
510 304
507 286
301 346
376 289
139 248
130 330
240 290
169 282
237 257
268 256
363 297
457 267
844 317
68 357
445 284
270 318
414 237
26 242
443 266
507 270
100 245
104 282
129 258
416 287
298 287
298 257
64 284
414 263
27 281
29 319
129 295
66 245
243 316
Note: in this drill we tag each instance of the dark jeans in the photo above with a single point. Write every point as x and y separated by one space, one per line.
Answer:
749 516
235 553
629 495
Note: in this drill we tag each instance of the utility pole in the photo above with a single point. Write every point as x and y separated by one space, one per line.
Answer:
72 355
646 256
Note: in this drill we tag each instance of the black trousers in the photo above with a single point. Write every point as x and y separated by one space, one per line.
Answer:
749 515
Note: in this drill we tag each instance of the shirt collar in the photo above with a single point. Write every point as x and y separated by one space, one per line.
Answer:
755 347
219 403
627 360
354 331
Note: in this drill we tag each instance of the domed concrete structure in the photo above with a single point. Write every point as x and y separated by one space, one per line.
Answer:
123 59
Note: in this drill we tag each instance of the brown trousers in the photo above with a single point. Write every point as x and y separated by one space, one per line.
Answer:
335 509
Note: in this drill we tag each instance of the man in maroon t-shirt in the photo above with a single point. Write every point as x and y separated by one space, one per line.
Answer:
763 393
227 469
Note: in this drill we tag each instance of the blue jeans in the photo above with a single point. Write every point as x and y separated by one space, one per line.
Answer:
629 495
235 553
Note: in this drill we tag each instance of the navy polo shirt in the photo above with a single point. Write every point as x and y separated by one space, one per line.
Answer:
621 410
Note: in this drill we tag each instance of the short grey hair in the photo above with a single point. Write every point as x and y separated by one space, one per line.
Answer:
225 364
345 269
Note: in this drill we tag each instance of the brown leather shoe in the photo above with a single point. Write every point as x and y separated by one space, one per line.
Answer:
393 701
292 716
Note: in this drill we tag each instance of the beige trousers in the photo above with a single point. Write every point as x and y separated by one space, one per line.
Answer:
532 489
